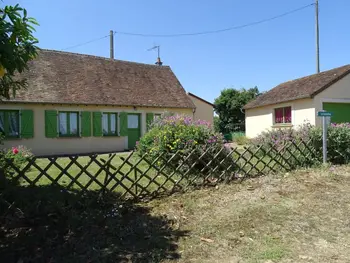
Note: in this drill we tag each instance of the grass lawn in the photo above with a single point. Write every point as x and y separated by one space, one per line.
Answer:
93 168
297 217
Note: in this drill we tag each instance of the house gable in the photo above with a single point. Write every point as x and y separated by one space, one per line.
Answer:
338 92
204 109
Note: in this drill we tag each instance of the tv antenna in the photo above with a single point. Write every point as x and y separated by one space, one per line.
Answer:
159 61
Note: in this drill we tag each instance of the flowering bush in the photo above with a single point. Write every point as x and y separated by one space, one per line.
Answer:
338 141
18 155
170 134
278 138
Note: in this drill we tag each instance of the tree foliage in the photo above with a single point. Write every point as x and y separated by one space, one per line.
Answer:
216 123
17 47
229 106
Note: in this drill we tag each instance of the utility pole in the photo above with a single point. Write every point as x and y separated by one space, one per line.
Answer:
111 44
317 39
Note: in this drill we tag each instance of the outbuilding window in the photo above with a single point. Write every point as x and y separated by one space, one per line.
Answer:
283 115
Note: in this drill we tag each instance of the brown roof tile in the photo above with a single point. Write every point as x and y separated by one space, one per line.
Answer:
69 78
306 87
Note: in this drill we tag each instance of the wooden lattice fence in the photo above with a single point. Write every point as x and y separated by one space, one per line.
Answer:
135 176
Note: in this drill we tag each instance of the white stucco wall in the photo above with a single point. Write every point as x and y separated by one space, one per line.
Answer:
339 92
40 145
262 118
258 120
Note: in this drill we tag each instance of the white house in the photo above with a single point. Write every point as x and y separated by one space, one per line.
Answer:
292 103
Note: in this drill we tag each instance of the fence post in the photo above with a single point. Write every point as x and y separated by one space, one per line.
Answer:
135 173
324 143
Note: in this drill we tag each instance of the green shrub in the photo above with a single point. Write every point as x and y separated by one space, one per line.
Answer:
171 134
228 137
240 138
338 142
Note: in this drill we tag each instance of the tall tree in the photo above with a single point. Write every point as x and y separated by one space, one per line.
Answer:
17 47
229 106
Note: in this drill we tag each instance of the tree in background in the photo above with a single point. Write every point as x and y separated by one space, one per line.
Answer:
216 123
17 47
229 106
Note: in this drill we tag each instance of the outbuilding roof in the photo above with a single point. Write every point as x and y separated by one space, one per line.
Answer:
70 78
306 87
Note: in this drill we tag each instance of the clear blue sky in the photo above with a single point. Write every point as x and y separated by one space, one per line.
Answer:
263 55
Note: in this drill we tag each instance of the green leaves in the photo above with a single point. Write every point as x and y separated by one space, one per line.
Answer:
229 106
17 47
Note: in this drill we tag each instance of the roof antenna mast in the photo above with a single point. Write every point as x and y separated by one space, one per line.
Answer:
159 61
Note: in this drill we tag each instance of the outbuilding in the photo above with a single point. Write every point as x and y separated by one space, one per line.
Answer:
295 102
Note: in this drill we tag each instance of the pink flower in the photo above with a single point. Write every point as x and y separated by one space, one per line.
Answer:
14 150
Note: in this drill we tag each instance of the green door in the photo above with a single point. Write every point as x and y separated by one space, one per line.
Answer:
341 111
134 129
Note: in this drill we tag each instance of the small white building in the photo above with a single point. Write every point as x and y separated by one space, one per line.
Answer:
295 102
204 109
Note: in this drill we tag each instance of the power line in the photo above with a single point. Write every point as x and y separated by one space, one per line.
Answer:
197 33
219 30
85 43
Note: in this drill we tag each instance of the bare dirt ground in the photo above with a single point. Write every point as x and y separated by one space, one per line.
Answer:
298 217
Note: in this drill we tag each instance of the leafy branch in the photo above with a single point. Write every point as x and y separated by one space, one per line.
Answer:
17 48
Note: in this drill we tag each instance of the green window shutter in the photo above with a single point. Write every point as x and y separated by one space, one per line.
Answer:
123 124
86 124
27 124
97 123
149 119
51 123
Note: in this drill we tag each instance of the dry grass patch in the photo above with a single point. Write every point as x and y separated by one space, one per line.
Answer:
298 217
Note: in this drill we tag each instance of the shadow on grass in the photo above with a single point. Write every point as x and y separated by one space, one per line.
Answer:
49 224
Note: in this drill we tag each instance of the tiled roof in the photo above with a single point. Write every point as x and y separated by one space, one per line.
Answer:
69 78
306 87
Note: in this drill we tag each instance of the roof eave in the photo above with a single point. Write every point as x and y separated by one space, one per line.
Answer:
279 102
96 104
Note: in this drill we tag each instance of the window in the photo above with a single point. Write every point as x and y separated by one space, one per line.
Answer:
283 115
133 121
68 124
109 124
9 123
